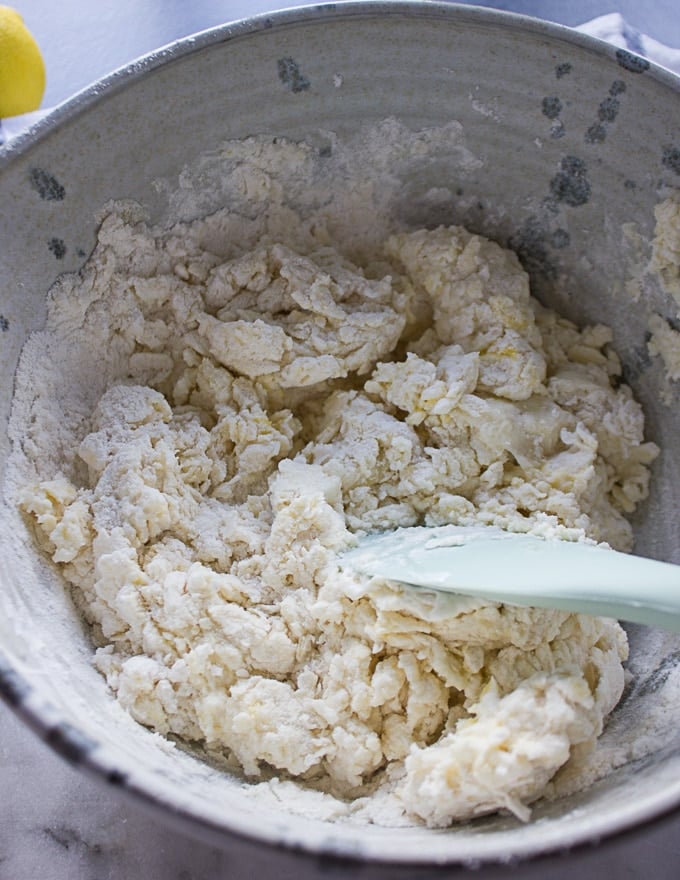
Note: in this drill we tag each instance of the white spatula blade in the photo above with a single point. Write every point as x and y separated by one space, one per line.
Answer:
525 569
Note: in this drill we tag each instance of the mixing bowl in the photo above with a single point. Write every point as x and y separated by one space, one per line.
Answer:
563 147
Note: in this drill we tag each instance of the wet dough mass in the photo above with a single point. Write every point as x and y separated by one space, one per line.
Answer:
270 405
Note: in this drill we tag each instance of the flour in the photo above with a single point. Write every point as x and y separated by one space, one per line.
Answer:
217 407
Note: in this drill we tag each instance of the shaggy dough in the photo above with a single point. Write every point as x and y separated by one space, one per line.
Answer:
664 266
268 407
665 259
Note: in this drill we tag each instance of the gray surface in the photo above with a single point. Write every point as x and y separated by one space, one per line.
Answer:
82 40
55 823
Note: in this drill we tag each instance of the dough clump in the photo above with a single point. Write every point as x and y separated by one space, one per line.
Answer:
269 406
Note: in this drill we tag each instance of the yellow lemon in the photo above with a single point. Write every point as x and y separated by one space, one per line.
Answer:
22 69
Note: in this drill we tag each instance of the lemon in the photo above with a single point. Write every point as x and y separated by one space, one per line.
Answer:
22 69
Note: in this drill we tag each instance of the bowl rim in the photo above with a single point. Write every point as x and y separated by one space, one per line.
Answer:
330 842
125 75
335 841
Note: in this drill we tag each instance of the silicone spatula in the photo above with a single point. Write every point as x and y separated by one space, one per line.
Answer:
523 569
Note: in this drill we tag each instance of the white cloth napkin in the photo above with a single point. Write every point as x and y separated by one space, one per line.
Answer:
613 28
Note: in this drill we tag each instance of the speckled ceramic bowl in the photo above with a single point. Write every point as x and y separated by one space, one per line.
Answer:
573 140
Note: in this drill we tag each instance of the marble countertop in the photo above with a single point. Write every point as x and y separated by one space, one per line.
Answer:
57 824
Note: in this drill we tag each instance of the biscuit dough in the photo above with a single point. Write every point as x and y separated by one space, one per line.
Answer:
664 336
270 405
